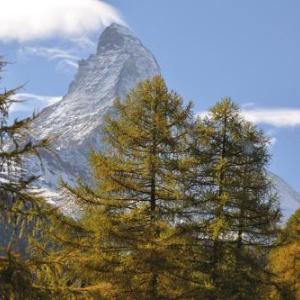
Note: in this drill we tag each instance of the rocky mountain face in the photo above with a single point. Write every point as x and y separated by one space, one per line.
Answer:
289 199
121 61
73 124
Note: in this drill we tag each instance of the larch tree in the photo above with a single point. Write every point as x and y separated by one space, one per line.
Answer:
285 262
131 242
20 206
237 212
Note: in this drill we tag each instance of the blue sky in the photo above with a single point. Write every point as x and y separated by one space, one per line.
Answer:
248 50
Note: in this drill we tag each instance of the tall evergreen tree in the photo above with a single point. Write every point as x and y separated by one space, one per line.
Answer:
130 238
234 198
285 262
20 207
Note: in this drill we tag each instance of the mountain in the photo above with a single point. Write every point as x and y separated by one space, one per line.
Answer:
74 123
289 199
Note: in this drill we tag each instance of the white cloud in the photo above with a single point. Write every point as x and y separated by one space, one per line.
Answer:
32 102
84 42
50 53
38 19
277 117
65 57
66 66
44 99
280 117
67 63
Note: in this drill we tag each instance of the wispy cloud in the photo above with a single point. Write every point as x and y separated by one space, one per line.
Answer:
276 117
67 63
65 57
50 53
32 102
84 42
35 19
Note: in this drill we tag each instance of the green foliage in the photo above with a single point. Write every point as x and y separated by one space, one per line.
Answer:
292 228
285 261
232 194
20 207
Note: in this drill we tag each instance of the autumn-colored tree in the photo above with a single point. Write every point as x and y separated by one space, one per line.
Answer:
236 211
129 243
285 262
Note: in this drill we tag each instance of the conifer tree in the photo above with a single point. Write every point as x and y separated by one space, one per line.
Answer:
130 238
285 262
20 207
233 196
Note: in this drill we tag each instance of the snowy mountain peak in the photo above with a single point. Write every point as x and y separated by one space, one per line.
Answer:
121 62
116 36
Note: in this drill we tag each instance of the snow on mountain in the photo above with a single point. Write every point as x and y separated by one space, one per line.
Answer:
121 61
73 124
289 199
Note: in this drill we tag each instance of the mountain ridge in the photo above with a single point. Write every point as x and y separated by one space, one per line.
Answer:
120 62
